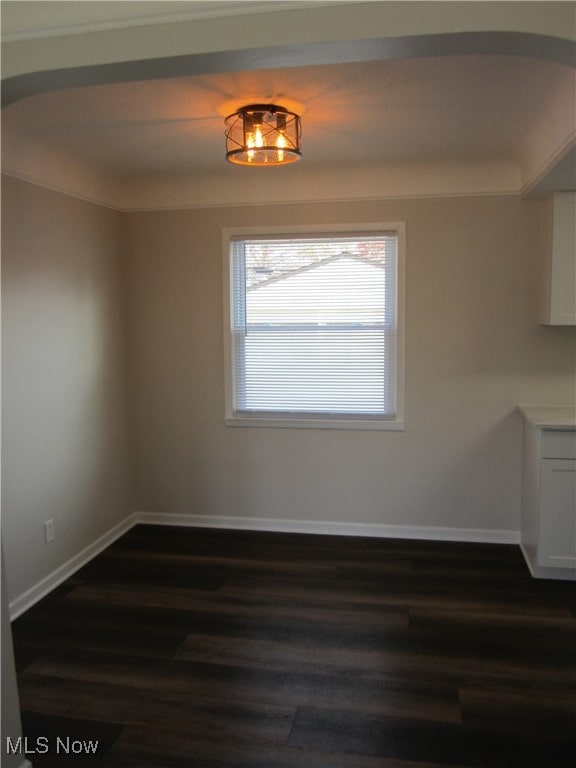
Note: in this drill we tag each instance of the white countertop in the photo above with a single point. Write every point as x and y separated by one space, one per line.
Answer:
550 417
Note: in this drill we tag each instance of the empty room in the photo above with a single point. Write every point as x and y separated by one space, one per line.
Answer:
288 384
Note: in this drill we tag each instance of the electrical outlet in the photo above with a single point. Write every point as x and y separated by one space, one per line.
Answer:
49 531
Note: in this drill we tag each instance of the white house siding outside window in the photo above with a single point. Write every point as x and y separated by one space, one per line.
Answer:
314 328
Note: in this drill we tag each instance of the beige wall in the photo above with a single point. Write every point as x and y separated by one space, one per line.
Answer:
474 351
64 435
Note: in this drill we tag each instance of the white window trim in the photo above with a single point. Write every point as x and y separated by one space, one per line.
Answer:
236 420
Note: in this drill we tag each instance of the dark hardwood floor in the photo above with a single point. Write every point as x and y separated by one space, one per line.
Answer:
198 648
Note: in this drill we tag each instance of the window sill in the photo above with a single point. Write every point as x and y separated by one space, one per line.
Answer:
315 423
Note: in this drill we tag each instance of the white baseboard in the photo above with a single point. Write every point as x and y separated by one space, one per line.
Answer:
541 572
48 583
374 530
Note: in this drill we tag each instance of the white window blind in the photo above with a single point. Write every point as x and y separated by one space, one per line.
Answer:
314 326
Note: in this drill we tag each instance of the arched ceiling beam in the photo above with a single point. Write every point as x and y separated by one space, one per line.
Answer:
554 49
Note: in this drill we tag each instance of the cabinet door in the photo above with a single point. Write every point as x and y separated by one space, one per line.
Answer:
557 545
561 289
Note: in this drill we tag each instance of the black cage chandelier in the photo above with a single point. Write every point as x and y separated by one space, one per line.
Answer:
263 134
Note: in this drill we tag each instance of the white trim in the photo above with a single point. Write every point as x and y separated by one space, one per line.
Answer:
531 187
372 530
300 421
542 572
125 207
197 206
314 423
48 583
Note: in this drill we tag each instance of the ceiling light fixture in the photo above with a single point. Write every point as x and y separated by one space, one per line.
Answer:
263 134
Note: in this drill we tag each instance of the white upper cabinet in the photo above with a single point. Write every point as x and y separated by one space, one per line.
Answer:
560 243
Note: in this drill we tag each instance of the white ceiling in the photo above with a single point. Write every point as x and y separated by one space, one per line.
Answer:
439 110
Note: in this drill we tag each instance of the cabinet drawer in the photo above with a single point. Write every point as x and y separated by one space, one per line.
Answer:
558 444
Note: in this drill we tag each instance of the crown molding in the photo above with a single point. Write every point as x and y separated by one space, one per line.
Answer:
356 184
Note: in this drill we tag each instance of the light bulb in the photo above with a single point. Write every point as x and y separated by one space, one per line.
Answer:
280 143
250 144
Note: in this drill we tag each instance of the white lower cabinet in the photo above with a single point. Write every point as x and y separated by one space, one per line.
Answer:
548 534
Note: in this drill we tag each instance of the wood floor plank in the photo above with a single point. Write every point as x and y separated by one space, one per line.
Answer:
289 687
444 743
451 664
335 674
178 605
551 714
215 564
136 747
178 712
408 592
104 637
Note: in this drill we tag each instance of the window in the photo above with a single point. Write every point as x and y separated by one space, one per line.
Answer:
314 328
